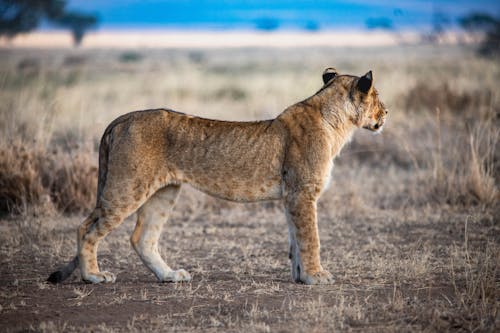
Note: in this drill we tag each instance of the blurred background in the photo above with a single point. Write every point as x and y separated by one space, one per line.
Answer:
159 23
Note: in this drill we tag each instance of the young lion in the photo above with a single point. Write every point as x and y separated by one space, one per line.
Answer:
145 156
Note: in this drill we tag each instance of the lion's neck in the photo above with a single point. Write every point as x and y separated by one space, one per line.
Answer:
326 115
336 111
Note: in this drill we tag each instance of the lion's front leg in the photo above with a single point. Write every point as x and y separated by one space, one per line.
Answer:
304 240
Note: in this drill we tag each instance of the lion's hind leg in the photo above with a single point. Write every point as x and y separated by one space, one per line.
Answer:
100 223
90 233
150 220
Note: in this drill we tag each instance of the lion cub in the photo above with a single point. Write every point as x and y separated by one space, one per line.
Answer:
145 156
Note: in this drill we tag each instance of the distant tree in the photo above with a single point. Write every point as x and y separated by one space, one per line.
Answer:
383 23
490 46
477 21
20 16
78 23
482 22
440 22
311 26
267 24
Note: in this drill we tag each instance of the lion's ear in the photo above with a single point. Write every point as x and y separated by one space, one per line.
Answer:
365 82
329 74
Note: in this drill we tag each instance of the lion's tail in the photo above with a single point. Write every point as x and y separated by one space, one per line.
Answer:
103 161
62 274
65 272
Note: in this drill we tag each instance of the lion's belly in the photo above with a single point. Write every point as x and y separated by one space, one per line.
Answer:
232 186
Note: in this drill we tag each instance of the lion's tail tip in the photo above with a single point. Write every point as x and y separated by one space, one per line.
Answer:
56 277
62 274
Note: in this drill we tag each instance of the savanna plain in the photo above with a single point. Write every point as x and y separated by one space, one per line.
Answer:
409 225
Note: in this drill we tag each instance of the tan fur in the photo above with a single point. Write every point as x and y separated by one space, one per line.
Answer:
146 155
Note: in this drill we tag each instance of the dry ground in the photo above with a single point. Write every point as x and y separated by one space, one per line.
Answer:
409 226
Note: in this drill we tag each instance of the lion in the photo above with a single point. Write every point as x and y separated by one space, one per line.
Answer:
145 156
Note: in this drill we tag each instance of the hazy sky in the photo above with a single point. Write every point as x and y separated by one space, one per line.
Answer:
296 14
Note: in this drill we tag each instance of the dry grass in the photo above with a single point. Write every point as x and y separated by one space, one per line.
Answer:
464 165
474 275
38 179
409 225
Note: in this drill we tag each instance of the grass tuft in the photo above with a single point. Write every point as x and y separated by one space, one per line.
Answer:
34 176
463 170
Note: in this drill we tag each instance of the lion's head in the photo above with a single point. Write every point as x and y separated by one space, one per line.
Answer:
367 109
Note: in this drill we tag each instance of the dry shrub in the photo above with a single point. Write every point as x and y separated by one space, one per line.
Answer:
20 181
33 176
378 151
74 184
458 162
470 104
464 170
482 170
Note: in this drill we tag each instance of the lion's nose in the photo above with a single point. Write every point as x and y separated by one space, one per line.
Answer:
376 126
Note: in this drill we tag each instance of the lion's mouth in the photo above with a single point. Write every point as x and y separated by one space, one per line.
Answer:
377 127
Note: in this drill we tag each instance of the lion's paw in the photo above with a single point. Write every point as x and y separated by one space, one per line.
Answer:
180 275
321 277
99 277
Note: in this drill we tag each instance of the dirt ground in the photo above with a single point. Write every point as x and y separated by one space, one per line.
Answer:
393 274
